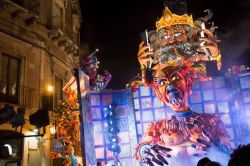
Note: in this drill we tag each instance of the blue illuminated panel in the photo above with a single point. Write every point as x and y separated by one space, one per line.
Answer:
145 91
208 95
146 103
223 107
222 94
160 114
196 97
107 99
197 108
96 113
219 82
95 100
147 116
119 99
157 103
206 85
209 107
100 101
245 82
246 96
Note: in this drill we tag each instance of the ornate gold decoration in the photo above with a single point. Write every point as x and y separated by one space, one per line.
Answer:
169 19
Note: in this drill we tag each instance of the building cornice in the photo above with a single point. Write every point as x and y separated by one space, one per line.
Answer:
21 21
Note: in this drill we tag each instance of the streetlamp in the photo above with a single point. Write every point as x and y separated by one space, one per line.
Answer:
50 89
47 99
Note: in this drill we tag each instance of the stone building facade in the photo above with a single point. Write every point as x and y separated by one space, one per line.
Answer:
39 46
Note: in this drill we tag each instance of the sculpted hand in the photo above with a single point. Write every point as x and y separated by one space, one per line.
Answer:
143 55
154 154
210 43
199 146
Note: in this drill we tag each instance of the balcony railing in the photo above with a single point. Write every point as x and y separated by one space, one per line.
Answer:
12 93
26 97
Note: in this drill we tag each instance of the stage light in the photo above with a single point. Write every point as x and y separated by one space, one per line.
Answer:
9 148
40 118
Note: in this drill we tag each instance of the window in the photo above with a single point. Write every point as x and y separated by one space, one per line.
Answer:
9 79
58 89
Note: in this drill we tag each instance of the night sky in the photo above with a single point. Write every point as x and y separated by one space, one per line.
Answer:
114 27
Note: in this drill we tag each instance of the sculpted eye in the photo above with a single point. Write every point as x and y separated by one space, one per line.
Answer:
162 82
177 34
175 78
166 37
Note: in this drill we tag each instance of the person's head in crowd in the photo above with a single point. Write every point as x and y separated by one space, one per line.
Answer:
207 162
212 163
203 161
240 156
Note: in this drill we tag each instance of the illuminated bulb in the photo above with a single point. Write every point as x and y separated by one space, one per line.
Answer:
97 50
52 130
50 88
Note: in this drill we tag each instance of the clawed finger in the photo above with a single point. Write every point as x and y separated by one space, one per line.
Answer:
162 148
213 50
199 146
142 49
147 160
158 155
162 159
208 41
157 161
208 33
203 142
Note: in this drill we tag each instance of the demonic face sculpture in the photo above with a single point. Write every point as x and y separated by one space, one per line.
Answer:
173 90
172 45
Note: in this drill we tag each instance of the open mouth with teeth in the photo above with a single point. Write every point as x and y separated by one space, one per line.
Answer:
175 97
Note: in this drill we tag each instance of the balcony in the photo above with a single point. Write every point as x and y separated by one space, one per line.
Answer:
14 94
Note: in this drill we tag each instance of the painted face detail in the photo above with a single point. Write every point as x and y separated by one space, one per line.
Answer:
172 45
173 90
